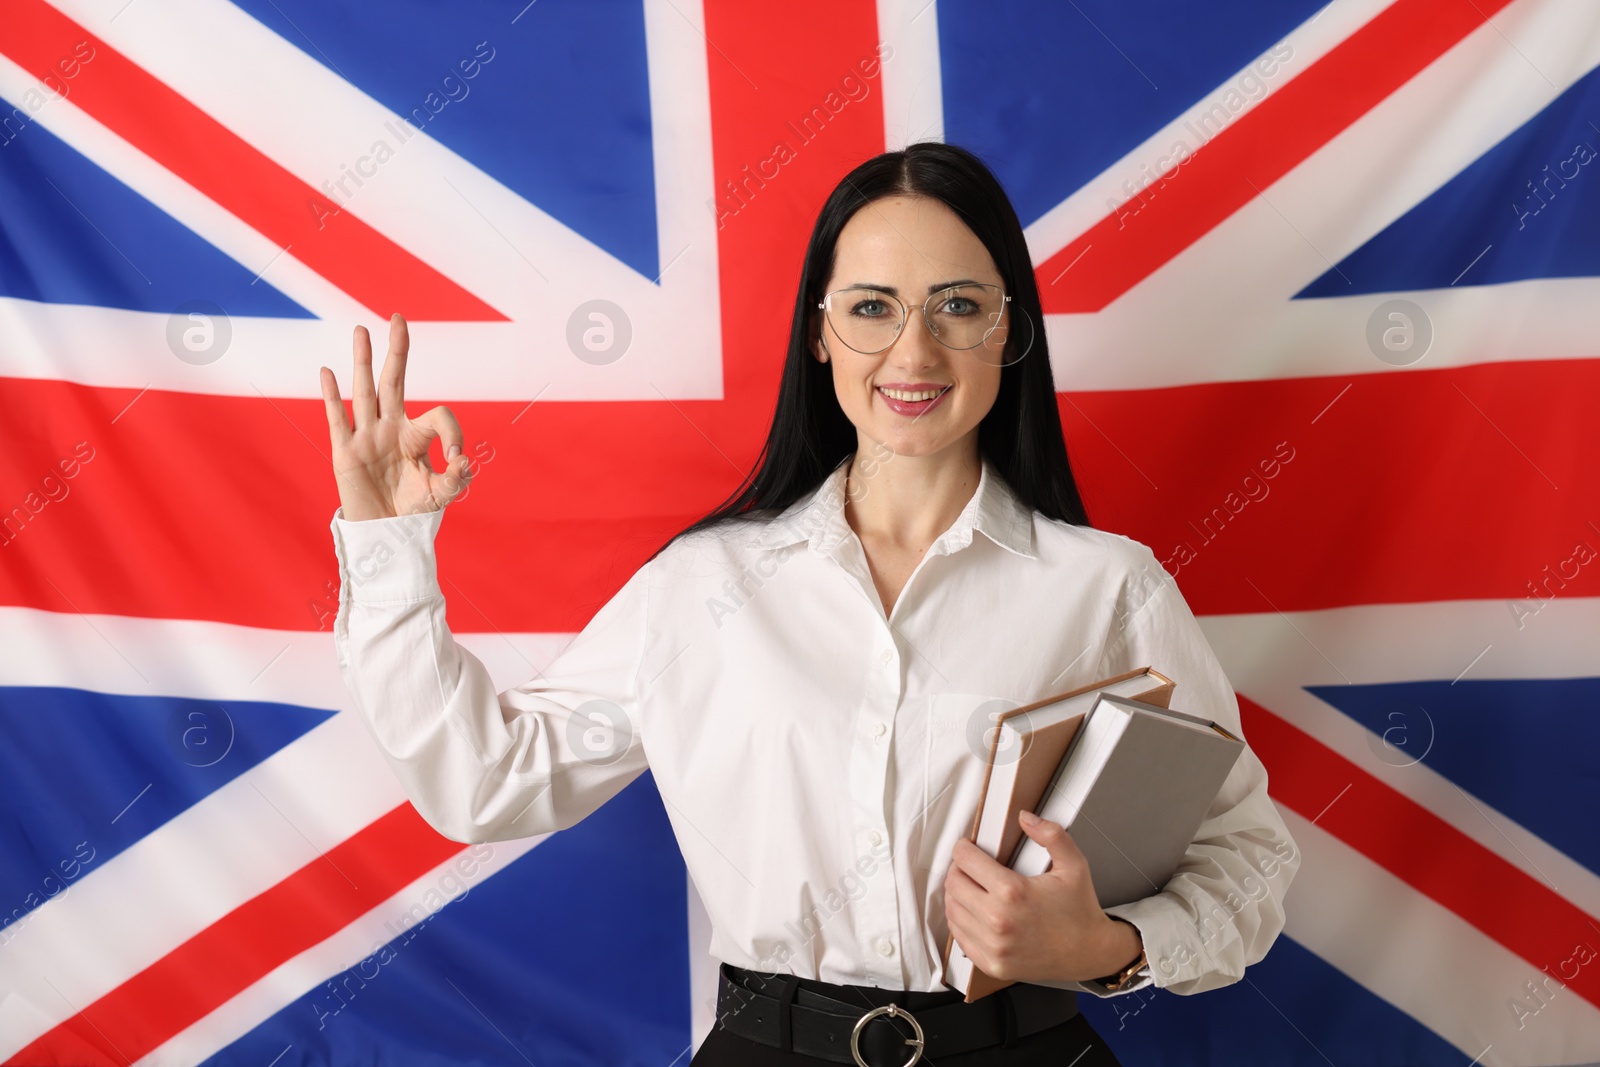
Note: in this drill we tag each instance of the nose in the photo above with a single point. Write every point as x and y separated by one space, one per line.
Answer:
927 323
916 347
924 339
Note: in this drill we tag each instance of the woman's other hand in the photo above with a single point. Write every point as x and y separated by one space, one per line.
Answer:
1047 927
381 465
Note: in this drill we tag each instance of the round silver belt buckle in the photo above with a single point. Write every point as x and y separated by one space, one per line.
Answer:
890 1010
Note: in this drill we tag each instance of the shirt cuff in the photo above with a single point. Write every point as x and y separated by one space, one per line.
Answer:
1174 953
386 561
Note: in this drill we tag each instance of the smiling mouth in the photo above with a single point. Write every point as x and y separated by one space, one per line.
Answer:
912 409
913 396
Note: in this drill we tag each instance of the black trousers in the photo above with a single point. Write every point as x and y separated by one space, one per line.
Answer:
1073 1043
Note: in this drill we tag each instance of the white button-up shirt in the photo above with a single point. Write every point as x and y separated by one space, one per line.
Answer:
818 760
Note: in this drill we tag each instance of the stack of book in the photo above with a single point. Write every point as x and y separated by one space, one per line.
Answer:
1129 778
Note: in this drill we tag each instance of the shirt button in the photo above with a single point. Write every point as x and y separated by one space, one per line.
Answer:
878 728
885 947
885 657
875 837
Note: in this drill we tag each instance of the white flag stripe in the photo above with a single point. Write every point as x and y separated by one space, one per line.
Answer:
913 89
204 660
1513 322
1271 658
1427 961
450 362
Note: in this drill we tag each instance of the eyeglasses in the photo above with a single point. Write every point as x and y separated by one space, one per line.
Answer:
961 317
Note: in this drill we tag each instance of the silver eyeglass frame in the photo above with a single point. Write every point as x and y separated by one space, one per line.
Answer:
822 305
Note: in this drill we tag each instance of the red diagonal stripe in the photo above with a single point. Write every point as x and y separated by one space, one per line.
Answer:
1427 853
197 148
227 957
1260 147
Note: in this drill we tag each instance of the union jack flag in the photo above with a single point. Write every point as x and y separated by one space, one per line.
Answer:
1314 281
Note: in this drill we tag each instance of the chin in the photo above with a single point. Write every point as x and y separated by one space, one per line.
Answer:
909 442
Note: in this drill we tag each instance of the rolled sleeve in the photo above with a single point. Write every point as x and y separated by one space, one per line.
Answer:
480 765
1223 908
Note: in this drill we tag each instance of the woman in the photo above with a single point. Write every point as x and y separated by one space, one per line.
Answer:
808 670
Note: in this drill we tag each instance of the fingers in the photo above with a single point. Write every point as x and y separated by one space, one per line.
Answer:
959 881
338 425
441 422
364 398
392 387
1062 839
976 864
1064 851
957 914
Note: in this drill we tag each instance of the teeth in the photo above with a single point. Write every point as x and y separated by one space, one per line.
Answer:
901 394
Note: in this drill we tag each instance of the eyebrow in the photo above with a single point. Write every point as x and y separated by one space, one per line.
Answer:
892 291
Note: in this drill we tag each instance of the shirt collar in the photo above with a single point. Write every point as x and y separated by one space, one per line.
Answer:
819 520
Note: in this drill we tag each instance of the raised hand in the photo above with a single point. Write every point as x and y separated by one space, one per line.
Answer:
381 465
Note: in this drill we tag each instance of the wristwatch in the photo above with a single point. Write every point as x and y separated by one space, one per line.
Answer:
1114 983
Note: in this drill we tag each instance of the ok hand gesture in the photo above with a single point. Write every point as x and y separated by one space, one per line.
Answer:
381 465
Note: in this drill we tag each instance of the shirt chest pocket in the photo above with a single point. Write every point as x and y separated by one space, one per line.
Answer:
959 729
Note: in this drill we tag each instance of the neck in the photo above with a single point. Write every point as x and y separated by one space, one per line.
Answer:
908 501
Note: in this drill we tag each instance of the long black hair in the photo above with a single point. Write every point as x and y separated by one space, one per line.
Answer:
1021 434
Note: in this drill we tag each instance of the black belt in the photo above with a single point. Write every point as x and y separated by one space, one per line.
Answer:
879 1027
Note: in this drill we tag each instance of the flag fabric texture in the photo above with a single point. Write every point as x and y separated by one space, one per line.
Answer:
1320 289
